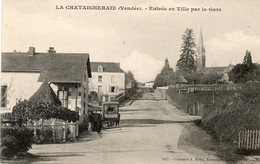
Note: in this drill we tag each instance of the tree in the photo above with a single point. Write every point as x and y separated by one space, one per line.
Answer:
167 70
187 62
131 83
92 96
159 81
166 77
210 78
248 59
245 72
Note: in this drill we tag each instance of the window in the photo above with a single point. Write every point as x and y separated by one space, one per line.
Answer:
110 109
63 96
99 89
113 79
3 96
100 68
99 78
112 89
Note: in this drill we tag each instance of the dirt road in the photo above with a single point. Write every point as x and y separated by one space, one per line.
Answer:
150 132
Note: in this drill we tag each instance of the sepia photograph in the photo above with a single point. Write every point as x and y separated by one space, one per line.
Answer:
130 81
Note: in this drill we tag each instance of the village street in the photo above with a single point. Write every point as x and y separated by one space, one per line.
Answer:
150 132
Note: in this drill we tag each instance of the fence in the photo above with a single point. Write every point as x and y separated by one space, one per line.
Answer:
194 109
249 139
55 132
213 87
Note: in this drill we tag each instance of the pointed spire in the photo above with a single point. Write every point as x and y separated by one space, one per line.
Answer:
201 48
201 57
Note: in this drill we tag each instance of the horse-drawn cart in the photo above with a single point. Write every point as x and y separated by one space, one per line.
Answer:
110 114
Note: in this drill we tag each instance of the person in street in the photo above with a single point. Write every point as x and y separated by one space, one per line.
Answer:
91 121
97 122
118 120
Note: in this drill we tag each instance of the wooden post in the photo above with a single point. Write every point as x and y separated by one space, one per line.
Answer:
186 102
244 139
239 139
213 99
258 139
72 129
77 129
53 130
198 108
64 131
247 139
34 131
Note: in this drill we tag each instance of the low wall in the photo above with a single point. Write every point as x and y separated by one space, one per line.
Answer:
222 114
189 102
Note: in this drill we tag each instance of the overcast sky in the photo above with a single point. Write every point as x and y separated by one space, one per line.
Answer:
139 40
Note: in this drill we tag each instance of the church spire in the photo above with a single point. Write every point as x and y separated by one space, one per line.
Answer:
201 57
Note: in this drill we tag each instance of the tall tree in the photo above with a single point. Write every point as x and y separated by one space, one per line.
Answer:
187 62
167 70
130 79
159 81
131 83
166 77
247 71
248 59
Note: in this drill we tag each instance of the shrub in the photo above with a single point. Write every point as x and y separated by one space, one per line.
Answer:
7 116
92 96
15 140
44 135
31 111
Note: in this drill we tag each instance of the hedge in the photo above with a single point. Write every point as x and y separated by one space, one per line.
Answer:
30 111
15 140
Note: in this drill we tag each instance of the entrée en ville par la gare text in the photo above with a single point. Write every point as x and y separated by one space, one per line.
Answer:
150 8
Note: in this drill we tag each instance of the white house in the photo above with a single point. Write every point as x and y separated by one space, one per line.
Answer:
23 73
107 79
149 84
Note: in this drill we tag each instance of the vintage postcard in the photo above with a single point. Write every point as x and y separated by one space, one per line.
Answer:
130 81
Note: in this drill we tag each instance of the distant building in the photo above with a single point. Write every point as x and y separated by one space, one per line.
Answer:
108 79
201 62
149 84
68 73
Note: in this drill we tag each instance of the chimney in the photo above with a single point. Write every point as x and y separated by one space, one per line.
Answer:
51 50
31 51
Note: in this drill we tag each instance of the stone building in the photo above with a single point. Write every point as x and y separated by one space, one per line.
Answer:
67 73
108 79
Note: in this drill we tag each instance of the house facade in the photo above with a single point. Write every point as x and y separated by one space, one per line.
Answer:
149 84
108 79
67 73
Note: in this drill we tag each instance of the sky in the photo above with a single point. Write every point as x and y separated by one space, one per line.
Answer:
139 40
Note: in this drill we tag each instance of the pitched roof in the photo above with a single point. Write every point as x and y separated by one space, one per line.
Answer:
107 67
54 67
180 79
149 82
45 94
214 69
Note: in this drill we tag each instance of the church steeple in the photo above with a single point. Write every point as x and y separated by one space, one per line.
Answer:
201 57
